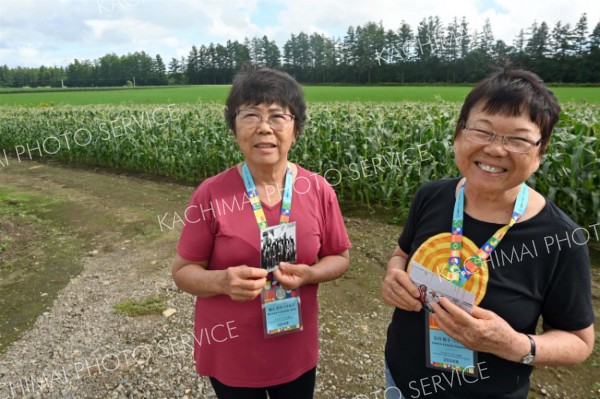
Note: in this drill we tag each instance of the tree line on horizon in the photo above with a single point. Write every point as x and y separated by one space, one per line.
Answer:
367 54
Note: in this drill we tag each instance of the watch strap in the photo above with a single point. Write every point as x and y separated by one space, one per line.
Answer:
531 355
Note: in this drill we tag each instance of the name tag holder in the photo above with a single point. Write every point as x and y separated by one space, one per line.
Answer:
444 352
281 310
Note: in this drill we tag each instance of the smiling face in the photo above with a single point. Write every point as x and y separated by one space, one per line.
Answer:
262 145
490 168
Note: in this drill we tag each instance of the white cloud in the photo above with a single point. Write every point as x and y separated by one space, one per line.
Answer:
126 29
28 52
231 25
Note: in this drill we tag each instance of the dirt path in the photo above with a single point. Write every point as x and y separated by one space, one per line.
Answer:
79 347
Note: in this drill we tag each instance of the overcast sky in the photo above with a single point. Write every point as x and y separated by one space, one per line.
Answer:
54 32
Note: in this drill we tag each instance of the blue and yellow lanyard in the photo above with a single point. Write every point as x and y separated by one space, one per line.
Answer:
459 275
259 214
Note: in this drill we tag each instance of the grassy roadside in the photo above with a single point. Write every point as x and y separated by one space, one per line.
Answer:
38 256
53 218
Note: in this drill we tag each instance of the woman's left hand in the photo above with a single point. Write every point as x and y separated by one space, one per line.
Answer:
482 330
291 275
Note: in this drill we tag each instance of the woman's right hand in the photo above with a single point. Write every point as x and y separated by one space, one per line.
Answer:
244 283
398 289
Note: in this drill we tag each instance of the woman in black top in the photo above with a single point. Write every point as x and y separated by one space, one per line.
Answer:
538 266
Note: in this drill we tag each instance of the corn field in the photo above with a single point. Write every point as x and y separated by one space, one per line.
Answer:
372 153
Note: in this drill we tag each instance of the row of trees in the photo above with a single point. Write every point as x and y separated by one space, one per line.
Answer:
111 70
434 52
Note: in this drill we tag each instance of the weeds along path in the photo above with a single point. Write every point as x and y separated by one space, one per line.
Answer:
70 341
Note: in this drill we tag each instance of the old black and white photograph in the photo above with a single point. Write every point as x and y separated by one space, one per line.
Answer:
278 245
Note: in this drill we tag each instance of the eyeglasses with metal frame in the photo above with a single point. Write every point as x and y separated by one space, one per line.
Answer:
251 118
511 143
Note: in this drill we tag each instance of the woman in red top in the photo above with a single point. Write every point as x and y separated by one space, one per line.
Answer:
219 252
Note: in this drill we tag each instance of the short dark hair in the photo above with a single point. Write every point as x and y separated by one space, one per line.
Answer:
266 86
513 92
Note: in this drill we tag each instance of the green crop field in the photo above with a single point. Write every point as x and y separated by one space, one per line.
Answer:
208 94
380 142
372 153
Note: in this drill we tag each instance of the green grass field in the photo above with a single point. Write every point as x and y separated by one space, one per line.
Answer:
204 94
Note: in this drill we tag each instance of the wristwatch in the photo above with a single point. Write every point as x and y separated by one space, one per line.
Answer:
528 358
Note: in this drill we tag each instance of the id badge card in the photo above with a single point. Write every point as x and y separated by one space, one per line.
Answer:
444 352
281 308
